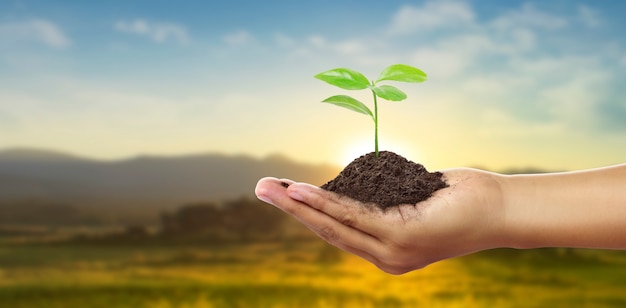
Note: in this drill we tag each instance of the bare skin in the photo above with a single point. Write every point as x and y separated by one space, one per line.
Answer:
479 210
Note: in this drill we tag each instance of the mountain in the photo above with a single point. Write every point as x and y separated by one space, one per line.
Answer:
28 174
28 154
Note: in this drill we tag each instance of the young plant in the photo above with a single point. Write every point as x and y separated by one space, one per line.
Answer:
352 80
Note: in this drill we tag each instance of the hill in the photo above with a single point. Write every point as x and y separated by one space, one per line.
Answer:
28 175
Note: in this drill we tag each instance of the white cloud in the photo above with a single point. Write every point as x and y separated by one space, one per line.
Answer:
510 125
452 56
363 51
575 98
432 15
590 17
158 32
529 17
317 41
442 63
526 63
350 47
35 30
240 37
283 40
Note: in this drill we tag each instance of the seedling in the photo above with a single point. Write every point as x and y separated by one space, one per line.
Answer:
352 80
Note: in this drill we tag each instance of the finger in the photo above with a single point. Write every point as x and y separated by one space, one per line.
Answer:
271 191
264 188
347 211
286 182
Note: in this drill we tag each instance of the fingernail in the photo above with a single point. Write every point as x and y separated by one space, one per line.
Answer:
295 195
265 199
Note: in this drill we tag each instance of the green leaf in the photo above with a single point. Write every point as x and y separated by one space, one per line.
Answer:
349 103
344 78
402 72
389 93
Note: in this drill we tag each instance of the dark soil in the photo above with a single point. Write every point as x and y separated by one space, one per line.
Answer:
386 181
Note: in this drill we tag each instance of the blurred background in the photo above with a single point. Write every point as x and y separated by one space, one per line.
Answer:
132 135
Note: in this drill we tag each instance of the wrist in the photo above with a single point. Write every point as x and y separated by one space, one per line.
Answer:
518 224
494 230
568 209
534 211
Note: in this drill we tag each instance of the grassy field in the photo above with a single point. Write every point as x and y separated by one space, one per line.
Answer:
297 274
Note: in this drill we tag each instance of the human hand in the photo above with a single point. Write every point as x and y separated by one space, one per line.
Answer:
465 217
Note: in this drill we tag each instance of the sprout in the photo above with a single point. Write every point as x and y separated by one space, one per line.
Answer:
352 80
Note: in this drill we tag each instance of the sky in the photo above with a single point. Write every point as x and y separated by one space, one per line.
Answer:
512 84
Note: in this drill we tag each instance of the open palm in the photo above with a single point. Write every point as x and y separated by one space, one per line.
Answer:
465 217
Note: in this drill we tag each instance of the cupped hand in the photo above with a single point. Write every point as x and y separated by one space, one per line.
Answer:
465 217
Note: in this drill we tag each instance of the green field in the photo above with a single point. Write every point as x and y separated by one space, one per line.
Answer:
302 273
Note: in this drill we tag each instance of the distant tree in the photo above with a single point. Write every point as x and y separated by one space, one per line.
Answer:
250 218
47 213
136 231
242 219
193 219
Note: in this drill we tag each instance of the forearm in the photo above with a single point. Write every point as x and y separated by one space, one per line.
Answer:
572 209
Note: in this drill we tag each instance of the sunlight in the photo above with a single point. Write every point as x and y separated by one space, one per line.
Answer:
355 149
363 146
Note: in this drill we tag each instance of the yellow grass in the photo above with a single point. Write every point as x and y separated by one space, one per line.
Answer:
292 275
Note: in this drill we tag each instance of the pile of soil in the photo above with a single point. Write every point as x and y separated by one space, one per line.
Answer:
387 180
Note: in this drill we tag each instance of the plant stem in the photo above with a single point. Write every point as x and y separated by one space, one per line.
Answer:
375 124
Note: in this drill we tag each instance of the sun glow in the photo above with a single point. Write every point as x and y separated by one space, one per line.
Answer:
363 146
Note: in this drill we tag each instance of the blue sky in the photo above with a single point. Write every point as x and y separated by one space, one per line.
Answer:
511 83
